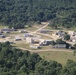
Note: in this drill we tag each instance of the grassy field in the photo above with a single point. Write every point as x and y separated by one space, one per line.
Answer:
44 37
21 44
58 56
1 26
61 28
33 27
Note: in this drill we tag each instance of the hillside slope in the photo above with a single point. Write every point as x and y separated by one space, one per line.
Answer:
18 13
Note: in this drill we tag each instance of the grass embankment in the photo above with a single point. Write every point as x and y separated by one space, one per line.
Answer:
58 56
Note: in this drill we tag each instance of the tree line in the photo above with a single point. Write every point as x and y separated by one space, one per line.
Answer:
18 13
14 61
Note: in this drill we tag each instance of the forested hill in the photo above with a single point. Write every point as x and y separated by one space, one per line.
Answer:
17 62
19 12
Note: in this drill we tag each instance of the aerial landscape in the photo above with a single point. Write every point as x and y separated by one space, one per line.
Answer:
37 37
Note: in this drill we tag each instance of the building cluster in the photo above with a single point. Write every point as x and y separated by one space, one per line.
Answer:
60 34
72 36
5 31
36 42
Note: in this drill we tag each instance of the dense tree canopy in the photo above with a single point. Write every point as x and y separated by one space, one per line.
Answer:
18 13
17 62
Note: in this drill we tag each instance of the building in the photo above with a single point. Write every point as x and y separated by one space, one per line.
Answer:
5 29
29 40
22 31
45 31
73 39
13 29
17 38
26 35
48 41
43 23
2 36
59 34
59 46
35 40
7 32
1 31
71 33
45 42
34 46
42 42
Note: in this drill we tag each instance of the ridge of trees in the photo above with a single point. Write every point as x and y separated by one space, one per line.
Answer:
17 62
18 13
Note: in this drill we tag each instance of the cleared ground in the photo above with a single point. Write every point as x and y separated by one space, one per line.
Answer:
46 52
58 56
1 26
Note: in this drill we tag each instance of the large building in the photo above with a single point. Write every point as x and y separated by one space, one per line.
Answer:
59 46
32 40
29 40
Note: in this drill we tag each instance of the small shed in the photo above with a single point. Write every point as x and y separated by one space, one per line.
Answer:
17 38
22 31
26 35
1 31
34 46
2 36
45 31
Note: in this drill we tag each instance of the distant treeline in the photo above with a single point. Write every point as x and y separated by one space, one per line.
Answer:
17 62
17 13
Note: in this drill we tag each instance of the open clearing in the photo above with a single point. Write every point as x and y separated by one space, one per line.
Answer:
1 26
58 56
46 52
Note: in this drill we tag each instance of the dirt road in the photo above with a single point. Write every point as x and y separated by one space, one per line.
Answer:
54 38
37 51
41 28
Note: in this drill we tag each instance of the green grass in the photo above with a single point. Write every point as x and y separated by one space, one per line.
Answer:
21 44
1 26
73 28
58 56
61 28
44 37
34 27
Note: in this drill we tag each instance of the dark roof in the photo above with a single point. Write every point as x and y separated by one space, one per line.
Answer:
59 46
